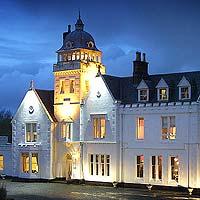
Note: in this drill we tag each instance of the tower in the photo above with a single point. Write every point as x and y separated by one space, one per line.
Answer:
78 61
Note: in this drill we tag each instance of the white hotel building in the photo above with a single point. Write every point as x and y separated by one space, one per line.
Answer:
138 129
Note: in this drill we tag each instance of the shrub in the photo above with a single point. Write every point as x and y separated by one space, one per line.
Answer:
3 193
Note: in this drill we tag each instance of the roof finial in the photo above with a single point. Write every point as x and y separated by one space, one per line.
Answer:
31 85
79 14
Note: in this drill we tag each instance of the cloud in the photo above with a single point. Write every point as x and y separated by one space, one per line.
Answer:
13 86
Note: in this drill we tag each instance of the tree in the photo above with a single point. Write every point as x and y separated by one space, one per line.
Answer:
5 123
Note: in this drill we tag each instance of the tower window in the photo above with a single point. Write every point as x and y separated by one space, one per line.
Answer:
72 86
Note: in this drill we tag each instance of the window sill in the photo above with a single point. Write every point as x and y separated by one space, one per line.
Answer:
29 144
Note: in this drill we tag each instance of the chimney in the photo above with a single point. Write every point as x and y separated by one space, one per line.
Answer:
140 68
65 33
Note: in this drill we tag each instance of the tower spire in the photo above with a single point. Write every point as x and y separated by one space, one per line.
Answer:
79 24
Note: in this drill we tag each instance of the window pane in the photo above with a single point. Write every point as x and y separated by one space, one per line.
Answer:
35 164
143 95
72 86
184 92
103 127
160 167
1 162
140 128
174 168
140 166
163 94
91 165
25 162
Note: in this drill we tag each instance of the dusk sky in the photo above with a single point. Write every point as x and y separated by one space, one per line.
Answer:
167 31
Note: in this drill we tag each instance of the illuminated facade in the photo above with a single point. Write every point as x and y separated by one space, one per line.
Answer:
138 129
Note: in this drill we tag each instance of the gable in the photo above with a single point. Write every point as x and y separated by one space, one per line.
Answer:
142 85
162 84
184 82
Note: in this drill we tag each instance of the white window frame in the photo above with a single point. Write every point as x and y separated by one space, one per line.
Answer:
31 122
101 165
140 164
139 95
158 93
138 129
64 133
168 135
189 92
98 117
156 167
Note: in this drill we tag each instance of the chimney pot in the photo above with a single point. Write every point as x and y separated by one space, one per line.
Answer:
138 56
69 28
144 57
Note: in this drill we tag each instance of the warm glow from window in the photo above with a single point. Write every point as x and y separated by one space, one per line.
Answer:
174 168
168 128
1 162
31 132
72 86
184 92
62 86
34 162
25 162
99 127
163 94
140 128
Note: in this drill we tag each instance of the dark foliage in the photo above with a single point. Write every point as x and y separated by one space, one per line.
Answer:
5 123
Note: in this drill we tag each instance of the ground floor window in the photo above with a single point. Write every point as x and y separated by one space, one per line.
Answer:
30 162
174 168
1 162
140 166
99 164
156 167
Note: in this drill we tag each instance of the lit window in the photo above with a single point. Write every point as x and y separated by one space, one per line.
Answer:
62 86
174 168
31 132
102 163
185 93
67 130
156 167
25 162
1 162
140 166
73 56
72 86
143 95
140 128
82 56
34 163
163 94
99 127
168 128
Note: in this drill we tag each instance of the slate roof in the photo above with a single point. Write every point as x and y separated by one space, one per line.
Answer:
123 89
47 98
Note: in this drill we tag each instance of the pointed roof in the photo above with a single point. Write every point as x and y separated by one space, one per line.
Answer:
79 24
47 98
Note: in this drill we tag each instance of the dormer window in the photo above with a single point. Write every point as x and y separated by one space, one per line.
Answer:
162 90
143 92
184 89
184 92
143 95
163 96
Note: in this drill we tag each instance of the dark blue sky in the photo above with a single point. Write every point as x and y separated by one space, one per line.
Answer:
167 31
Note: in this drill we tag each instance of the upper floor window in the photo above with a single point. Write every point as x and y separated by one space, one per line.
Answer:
184 93
66 131
99 126
184 89
31 132
140 128
143 95
140 166
163 94
168 128
1 162
72 86
62 86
